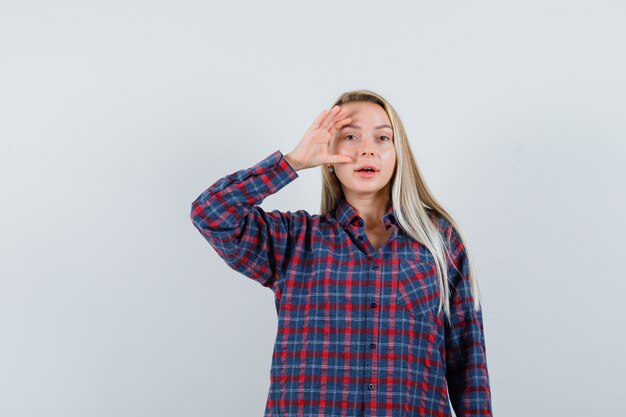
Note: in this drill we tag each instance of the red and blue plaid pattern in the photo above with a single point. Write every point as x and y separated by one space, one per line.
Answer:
359 333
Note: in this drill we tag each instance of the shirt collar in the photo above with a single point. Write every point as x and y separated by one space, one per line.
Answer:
348 216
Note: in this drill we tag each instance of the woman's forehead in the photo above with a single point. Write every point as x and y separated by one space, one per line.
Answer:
367 113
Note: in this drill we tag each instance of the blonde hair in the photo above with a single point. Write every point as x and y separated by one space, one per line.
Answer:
415 207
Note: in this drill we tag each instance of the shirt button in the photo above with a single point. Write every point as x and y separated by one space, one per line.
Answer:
373 305
360 237
372 345
370 386
375 267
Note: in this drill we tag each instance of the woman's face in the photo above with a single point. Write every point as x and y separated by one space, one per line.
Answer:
368 139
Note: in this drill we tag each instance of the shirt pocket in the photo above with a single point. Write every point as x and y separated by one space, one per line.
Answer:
418 289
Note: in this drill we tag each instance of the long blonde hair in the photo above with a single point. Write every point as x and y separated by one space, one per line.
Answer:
415 207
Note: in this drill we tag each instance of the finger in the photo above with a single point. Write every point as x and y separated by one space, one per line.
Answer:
339 124
340 113
341 116
318 121
330 116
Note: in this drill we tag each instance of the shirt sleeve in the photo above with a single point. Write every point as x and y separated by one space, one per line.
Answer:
250 240
466 359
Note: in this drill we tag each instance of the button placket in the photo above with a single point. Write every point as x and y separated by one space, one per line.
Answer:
372 345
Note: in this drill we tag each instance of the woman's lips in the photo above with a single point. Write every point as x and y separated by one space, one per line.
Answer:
366 174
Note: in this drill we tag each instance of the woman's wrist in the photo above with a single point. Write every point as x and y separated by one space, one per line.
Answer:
293 162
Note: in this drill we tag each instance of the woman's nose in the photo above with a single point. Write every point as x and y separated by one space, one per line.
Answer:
366 147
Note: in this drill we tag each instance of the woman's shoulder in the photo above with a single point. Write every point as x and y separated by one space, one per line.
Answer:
444 225
439 221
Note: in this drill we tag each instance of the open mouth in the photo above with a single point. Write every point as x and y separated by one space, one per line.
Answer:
367 168
366 172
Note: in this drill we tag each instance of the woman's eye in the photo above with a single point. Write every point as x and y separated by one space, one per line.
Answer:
349 136
386 137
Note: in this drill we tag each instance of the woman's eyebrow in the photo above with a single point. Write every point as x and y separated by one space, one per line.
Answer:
359 127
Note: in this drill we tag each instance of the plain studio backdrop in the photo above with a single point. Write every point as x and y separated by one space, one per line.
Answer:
116 115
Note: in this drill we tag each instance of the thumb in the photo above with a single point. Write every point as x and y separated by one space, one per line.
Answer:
338 159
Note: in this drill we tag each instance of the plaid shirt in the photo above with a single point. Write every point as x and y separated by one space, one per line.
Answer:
358 329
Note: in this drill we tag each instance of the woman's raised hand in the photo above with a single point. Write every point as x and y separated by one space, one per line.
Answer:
314 147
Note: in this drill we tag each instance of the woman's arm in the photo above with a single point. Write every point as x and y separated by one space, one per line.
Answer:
250 240
466 356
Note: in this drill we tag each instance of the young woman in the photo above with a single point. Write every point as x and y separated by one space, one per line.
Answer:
378 306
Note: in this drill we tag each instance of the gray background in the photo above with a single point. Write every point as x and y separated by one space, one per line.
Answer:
116 115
